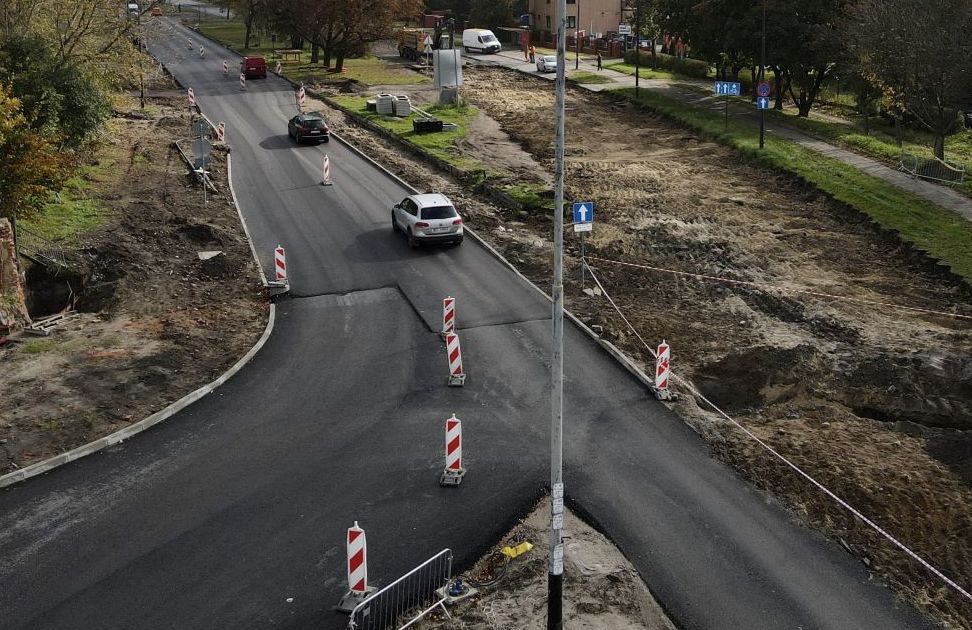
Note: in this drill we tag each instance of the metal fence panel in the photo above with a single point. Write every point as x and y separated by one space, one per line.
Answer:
412 594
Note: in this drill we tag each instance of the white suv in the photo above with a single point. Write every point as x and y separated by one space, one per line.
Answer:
429 218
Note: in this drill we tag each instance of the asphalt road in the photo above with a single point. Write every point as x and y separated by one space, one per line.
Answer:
214 518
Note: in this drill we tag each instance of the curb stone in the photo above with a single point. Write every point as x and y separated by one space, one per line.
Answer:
119 436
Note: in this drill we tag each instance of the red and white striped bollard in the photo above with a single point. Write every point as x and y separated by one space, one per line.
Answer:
189 44
448 315
221 131
662 369
225 67
301 97
357 569
457 378
242 81
453 472
280 264
278 68
326 171
192 97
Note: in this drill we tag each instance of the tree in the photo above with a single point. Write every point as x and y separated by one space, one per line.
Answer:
492 13
30 164
55 97
920 51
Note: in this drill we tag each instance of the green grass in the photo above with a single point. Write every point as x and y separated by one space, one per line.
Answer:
531 196
571 53
644 72
584 77
368 70
944 235
441 145
38 346
881 143
74 213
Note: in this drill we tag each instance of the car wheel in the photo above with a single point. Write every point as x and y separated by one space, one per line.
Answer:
395 227
412 241
327 139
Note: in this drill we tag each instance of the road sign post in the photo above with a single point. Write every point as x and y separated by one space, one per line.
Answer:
727 89
583 222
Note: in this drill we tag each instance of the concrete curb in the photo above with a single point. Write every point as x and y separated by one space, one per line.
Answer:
119 436
133 429
239 213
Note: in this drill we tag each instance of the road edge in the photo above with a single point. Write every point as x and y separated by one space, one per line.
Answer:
170 410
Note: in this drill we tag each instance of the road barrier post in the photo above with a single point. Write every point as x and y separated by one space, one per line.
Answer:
662 369
357 570
280 263
221 132
453 473
202 52
242 81
225 67
448 315
278 69
457 378
327 172
189 44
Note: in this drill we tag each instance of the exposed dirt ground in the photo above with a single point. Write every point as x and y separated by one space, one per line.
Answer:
874 401
156 321
602 590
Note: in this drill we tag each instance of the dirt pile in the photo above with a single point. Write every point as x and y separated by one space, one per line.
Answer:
157 321
856 391
602 590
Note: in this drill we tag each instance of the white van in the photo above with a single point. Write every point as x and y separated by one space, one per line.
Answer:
480 40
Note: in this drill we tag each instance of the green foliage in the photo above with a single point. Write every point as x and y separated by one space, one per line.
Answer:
30 164
688 67
491 13
944 235
56 98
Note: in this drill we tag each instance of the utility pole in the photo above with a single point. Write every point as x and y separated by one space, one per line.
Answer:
762 73
577 39
638 49
555 575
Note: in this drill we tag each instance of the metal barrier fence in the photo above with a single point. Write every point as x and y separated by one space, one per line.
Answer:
931 168
412 594
41 250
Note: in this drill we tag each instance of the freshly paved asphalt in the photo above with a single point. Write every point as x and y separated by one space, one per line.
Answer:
214 518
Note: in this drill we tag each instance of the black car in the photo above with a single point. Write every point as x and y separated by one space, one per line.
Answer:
308 127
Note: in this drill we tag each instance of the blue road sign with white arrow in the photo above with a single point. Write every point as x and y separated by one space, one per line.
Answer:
583 216
728 88
762 102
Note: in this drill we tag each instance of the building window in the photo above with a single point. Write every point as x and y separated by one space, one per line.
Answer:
548 22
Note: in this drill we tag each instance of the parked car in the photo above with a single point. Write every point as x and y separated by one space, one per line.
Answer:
546 63
254 67
428 218
310 126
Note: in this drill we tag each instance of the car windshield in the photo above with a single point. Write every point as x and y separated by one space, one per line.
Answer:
489 38
313 123
439 212
550 59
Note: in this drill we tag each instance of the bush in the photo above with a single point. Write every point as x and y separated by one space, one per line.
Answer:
688 67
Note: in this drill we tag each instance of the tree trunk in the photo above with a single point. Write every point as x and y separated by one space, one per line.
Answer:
339 61
13 307
779 89
249 29
940 146
315 52
327 56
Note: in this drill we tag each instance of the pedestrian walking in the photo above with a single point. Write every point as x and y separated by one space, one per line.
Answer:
526 53
599 60
533 54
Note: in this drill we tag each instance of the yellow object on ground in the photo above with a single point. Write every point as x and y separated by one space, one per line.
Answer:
512 552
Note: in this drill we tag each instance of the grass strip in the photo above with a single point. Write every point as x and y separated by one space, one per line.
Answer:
440 144
942 234
584 77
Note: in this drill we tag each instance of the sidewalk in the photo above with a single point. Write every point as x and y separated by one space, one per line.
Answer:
687 91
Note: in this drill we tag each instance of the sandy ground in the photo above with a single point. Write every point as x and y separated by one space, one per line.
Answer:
156 322
874 401
602 590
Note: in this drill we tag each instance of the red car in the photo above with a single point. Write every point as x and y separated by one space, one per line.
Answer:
254 67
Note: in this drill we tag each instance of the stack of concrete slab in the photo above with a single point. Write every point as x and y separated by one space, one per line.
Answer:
403 106
385 104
